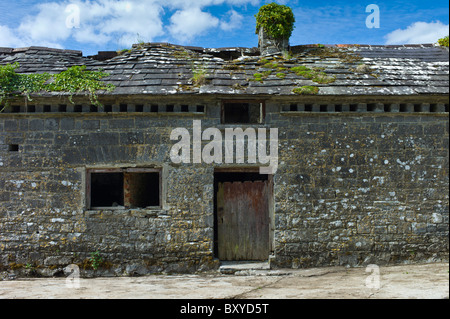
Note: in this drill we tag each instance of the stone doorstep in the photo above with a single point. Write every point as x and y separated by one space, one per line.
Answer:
249 268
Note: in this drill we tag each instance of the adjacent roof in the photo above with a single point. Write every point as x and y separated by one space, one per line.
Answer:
162 69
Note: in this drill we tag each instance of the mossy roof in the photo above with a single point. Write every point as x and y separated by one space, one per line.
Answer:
163 69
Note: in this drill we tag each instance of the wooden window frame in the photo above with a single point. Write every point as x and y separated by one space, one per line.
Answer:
90 171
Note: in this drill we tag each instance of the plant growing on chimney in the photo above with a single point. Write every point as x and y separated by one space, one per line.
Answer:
277 20
443 42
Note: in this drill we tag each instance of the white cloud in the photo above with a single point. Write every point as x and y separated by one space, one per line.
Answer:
88 34
132 21
120 22
418 33
234 21
189 23
48 25
185 4
8 38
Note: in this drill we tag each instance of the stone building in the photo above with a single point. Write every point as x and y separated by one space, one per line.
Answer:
362 166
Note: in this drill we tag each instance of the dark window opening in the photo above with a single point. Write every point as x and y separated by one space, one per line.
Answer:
47 108
242 113
338 108
62 108
123 108
371 107
154 108
106 189
200 108
125 188
93 109
403 108
170 108
293 108
78 108
13 148
139 108
353 107
308 108
141 190
108 108
323 108
15 109
31 108
184 108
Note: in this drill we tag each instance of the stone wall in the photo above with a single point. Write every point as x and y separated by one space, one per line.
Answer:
43 215
351 189
361 189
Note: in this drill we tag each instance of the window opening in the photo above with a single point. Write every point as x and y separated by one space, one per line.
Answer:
13 147
243 112
128 188
107 189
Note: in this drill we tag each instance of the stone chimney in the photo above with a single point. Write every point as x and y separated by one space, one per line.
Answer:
274 25
268 45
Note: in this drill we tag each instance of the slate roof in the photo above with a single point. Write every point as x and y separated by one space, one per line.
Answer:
163 69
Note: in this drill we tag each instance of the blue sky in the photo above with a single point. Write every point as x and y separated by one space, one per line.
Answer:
101 25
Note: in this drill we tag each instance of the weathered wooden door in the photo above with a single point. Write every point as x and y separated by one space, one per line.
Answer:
243 220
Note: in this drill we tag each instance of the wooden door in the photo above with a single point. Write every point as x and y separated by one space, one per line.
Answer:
243 220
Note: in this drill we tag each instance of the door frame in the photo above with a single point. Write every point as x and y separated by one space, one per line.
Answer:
270 200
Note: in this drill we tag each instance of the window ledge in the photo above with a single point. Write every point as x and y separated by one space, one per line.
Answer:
122 211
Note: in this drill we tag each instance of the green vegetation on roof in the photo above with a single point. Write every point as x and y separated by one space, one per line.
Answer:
306 90
74 80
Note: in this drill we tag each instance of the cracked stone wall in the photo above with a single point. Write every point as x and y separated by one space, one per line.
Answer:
351 189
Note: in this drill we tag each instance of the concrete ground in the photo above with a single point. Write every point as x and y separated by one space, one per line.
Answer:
406 281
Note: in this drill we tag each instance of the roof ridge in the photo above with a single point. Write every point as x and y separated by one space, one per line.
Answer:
38 48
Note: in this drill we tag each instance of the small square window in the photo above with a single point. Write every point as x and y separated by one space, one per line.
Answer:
247 112
13 148
124 188
154 108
